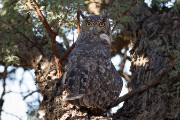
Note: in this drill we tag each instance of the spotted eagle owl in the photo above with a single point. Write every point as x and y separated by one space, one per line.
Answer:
91 80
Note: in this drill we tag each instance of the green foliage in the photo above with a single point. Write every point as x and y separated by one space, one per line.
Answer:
13 27
120 12
20 24
175 8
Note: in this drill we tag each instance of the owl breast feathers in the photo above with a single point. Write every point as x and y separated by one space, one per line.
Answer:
91 80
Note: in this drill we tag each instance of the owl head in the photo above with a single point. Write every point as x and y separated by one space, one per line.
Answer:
96 24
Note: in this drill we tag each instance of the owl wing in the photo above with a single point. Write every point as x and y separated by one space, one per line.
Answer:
91 76
80 74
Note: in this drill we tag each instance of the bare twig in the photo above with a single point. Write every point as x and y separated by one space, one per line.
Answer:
30 94
156 80
12 115
4 74
67 53
28 39
123 62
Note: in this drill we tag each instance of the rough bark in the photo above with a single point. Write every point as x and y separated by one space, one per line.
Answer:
156 37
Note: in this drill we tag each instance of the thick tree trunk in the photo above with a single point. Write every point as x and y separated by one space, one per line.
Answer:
156 44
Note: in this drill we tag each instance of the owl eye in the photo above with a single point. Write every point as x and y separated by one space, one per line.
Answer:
88 24
101 24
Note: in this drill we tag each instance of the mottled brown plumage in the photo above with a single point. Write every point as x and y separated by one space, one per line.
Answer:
91 80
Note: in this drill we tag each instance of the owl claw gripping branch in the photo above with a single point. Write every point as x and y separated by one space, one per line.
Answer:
90 79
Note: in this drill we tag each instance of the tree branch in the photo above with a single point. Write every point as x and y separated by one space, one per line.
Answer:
73 45
4 74
44 21
123 62
52 35
30 94
2 63
23 35
12 115
78 22
63 58
156 80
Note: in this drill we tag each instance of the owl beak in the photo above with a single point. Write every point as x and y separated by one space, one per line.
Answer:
95 31
105 37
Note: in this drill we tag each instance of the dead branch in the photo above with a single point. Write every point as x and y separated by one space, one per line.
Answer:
156 80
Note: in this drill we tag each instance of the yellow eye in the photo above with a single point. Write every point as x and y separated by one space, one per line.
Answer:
101 24
88 24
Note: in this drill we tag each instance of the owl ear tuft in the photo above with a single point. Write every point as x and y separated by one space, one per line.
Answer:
81 14
104 14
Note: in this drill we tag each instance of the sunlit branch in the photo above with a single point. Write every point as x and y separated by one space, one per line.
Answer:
123 62
156 80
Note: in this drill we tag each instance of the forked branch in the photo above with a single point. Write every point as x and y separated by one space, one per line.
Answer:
73 45
53 35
